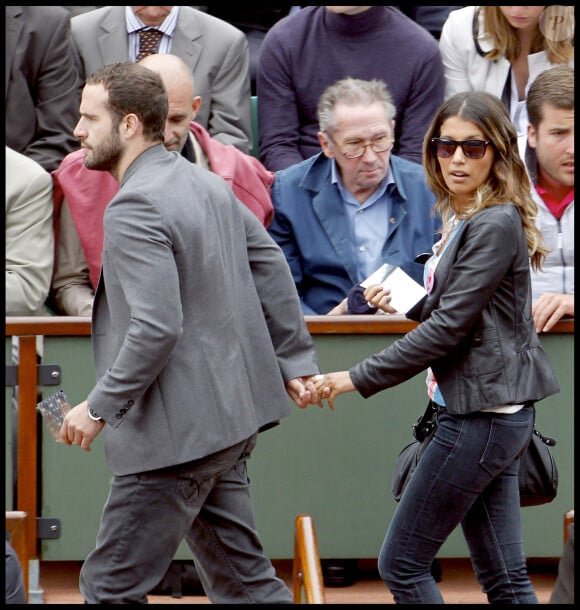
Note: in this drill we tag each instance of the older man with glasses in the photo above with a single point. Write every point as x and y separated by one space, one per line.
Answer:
344 212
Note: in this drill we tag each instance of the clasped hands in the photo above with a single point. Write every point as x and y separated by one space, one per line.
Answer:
315 389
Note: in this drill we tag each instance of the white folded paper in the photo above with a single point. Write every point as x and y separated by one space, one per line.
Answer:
405 291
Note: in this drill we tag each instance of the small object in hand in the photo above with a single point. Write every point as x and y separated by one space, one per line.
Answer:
318 377
357 304
53 410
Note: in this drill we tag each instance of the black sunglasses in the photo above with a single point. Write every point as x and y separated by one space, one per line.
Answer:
472 149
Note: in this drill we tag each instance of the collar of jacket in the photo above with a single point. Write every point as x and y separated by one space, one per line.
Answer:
483 42
318 175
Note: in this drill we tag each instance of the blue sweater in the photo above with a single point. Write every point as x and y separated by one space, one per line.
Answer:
311 49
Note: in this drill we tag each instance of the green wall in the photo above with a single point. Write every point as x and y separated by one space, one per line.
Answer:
333 465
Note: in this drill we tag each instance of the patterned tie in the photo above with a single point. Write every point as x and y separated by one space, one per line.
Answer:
148 42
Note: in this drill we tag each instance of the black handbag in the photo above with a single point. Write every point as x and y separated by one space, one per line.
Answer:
538 474
423 431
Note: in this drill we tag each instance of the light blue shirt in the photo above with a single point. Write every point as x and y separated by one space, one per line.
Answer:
368 222
432 385
134 24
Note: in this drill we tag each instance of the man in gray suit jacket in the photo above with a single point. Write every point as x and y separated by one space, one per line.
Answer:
197 336
216 51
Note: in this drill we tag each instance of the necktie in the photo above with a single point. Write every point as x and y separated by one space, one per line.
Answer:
148 42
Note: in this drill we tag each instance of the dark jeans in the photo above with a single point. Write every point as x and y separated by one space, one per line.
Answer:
205 501
468 476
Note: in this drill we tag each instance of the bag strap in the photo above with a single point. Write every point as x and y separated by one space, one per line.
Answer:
547 440
426 423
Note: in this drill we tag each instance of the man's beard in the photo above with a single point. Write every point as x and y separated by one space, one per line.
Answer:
106 156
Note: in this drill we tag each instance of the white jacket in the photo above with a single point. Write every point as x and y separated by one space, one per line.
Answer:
463 44
557 274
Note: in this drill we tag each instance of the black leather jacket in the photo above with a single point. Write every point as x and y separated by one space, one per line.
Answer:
476 332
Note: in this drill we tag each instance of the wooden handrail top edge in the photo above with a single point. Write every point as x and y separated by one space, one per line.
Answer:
48 325
317 325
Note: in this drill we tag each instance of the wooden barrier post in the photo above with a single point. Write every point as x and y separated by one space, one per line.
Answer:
568 519
27 483
307 570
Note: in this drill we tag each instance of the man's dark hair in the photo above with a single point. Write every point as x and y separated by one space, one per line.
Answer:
554 86
134 89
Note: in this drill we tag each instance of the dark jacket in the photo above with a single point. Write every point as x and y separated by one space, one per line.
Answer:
43 87
476 332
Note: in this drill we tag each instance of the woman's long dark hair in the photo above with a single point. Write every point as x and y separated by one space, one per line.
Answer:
508 181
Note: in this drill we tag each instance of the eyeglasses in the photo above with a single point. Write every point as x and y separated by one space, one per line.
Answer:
472 149
352 151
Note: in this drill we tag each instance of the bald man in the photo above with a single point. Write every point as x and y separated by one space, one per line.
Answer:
81 195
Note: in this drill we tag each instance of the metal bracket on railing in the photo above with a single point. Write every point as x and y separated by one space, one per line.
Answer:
47 528
11 375
48 374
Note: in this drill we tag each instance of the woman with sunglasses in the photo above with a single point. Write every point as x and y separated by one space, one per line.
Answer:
485 366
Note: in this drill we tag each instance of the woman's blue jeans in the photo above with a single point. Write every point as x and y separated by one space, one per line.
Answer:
468 475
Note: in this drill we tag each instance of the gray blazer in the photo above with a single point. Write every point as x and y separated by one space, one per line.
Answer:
216 51
477 332
196 320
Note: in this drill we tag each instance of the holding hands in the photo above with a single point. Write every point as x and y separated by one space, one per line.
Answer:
330 385
303 392
313 390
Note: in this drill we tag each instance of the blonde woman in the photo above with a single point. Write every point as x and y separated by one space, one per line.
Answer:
485 366
501 50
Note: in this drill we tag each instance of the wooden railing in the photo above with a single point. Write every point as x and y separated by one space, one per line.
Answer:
317 325
27 491
307 571
27 329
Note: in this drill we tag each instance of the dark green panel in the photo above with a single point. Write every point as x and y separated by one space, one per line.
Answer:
74 482
334 466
